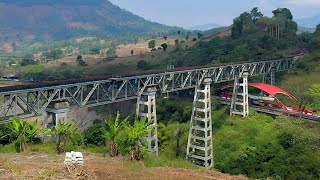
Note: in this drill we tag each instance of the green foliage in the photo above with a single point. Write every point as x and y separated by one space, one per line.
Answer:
255 14
173 109
94 50
261 147
24 131
64 132
80 61
28 61
173 139
7 134
112 52
152 44
164 46
54 54
283 12
112 132
135 135
143 65
93 135
316 39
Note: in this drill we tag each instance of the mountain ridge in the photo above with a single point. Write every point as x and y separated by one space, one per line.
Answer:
34 20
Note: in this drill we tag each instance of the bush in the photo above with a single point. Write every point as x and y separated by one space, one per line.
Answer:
93 135
7 135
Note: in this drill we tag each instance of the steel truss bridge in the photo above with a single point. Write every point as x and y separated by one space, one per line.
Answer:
33 100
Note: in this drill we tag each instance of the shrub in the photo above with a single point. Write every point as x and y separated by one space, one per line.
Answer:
7 135
93 135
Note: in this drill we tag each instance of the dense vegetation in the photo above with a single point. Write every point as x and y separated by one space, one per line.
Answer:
258 146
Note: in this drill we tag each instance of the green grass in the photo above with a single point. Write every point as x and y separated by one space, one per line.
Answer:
163 161
9 148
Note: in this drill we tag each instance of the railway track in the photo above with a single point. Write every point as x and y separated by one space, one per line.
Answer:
277 111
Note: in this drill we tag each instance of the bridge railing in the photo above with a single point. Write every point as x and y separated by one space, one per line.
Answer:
18 102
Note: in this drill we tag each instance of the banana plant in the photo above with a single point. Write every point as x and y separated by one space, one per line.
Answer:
20 128
114 128
63 132
32 131
136 134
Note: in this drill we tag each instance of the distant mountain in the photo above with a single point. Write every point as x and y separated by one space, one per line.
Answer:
305 29
205 27
29 20
309 22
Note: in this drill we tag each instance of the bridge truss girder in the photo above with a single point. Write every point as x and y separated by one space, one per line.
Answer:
95 93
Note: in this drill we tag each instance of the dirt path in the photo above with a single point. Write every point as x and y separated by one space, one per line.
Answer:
47 166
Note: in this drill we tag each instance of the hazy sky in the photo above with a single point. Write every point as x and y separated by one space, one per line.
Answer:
188 13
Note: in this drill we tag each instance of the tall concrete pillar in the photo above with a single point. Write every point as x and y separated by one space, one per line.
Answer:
199 148
240 96
146 107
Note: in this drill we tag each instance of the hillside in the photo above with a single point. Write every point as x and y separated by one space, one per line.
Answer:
205 27
34 20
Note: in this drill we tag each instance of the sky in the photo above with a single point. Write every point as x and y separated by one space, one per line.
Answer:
189 13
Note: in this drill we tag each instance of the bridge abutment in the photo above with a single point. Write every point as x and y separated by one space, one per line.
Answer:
199 148
240 96
146 107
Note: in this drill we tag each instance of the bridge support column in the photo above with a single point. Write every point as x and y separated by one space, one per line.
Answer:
270 78
240 97
57 112
146 107
199 148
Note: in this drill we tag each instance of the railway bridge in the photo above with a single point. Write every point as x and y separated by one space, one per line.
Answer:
55 98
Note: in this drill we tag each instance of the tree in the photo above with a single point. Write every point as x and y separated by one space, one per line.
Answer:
200 36
28 61
24 131
165 38
112 133
142 65
179 33
136 133
164 46
112 52
315 41
63 132
93 135
152 44
237 28
94 50
255 14
80 61
188 36
283 12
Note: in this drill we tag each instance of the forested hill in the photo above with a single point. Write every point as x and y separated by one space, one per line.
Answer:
22 21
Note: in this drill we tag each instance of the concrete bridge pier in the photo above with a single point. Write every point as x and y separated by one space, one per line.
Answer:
240 96
56 112
199 148
146 107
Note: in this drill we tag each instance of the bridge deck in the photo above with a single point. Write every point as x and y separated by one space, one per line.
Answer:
89 92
